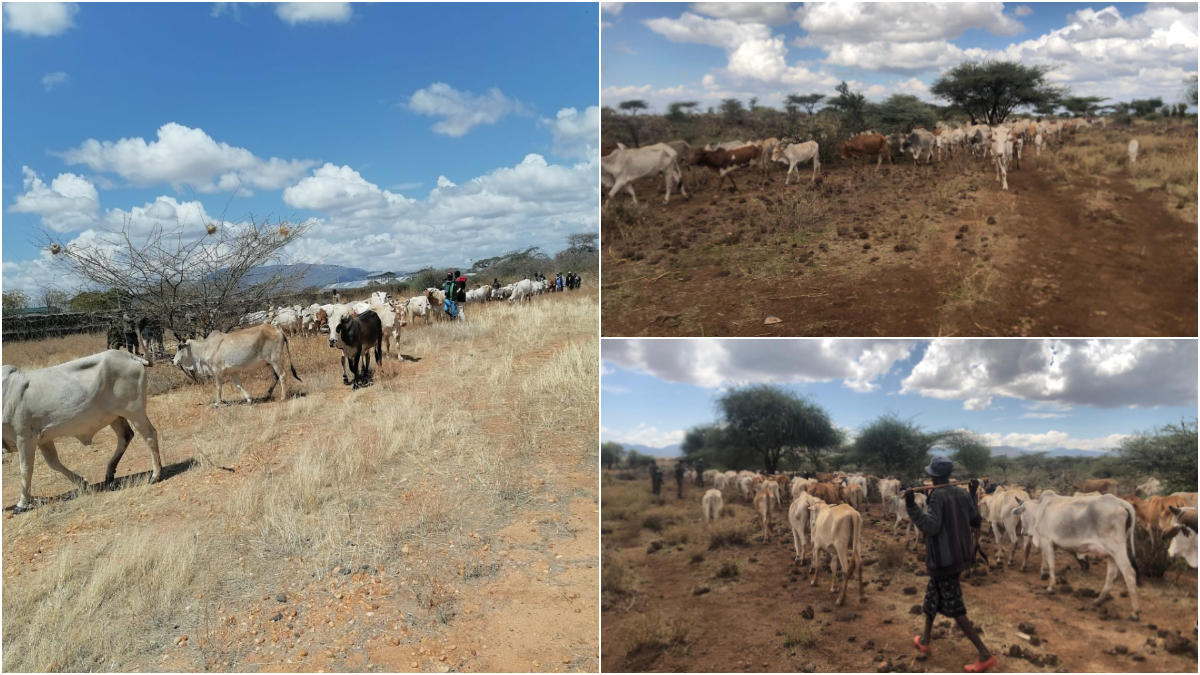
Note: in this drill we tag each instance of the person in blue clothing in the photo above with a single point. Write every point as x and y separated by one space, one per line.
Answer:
448 304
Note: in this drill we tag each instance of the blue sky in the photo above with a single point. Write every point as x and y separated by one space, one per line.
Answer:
415 134
663 52
1032 394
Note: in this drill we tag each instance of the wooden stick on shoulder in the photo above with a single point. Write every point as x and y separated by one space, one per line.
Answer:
926 488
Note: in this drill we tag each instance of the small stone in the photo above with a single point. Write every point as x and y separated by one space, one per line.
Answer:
700 590
282 597
303 653
915 609
1027 628
278 616
991 220
1138 657
847 616
1121 649
910 590
1177 644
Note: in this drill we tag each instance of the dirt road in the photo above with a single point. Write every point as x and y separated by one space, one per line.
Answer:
744 622
910 251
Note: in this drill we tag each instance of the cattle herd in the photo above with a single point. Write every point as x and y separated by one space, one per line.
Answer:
825 511
109 389
1002 144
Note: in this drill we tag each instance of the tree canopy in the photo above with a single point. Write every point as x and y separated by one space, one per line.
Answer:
992 90
16 301
611 454
1168 453
770 422
900 447
853 107
903 113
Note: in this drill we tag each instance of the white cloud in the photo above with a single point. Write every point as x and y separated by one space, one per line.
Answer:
830 23
1043 416
164 212
69 203
1023 10
461 110
613 8
722 33
912 86
533 203
293 13
644 435
715 363
55 79
575 134
770 13
185 156
1051 440
1098 373
42 19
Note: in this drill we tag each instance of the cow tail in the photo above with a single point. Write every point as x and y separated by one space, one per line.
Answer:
1131 527
291 361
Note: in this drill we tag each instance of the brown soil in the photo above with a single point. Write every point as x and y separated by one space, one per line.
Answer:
740 624
1088 256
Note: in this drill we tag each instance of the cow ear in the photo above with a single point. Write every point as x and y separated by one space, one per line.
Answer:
1175 510
1019 500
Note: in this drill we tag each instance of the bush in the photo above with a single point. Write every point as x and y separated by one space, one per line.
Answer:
800 633
729 534
652 632
615 578
728 570
656 521
891 554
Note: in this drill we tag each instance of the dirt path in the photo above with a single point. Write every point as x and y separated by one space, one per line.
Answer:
740 624
1091 256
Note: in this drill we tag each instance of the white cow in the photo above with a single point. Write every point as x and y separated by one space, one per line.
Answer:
287 319
1183 535
481 294
1038 142
800 486
1133 152
800 519
1002 153
222 354
418 305
888 489
76 398
919 142
798 153
1150 488
522 290
379 298
712 506
621 167
997 508
838 530
910 528
1101 526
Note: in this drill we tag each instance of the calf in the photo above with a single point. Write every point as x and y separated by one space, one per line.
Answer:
838 530
77 398
725 162
222 354
711 504
356 335
867 145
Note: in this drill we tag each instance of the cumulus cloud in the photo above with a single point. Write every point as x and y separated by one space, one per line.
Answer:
461 110
55 79
575 133
43 19
1097 373
293 13
185 156
533 203
723 33
1052 440
1022 10
860 23
770 13
69 203
613 8
716 363
644 435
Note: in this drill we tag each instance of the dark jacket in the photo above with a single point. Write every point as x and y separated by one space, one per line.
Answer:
947 524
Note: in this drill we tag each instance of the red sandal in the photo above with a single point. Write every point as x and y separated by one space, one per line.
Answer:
917 641
981 666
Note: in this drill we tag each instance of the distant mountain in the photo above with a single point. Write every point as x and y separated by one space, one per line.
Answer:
669 451
1010 451
316 275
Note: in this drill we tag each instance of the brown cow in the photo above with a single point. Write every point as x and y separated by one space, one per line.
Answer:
854 495
1101 485
1155 512
725 162
867 145
826 492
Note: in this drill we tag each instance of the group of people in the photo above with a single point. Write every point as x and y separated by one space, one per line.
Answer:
569 282
656 476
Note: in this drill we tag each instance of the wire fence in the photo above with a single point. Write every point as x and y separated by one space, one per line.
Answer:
41 326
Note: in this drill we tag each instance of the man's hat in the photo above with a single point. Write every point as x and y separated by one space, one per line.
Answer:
939 466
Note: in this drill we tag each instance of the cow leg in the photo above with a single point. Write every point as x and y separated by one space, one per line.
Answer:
1130 577
345 377
1048 561
732 182
1012 553
816 565
237 380
796 544
999 543
50 454
124 432
278 380
25 449
146 430
1110 573
1028 549
836 557
217 379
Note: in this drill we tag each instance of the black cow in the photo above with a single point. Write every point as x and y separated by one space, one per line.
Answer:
152 336
357 334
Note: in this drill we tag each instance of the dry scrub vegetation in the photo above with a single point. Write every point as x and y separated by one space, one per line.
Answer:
411 525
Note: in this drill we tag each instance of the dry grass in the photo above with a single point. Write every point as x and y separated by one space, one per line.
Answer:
413 476
651 633
728 533
801 633
890 554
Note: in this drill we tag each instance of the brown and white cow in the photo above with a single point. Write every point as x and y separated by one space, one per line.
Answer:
725 162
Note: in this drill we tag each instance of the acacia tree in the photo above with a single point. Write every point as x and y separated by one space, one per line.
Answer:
992 90
1168 452
853 107
192 281
611 454
970 454
678 111
1080 106
771 423
900 446
807 101
904 112
631 110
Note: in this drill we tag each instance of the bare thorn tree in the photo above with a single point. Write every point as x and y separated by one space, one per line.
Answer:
194 279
